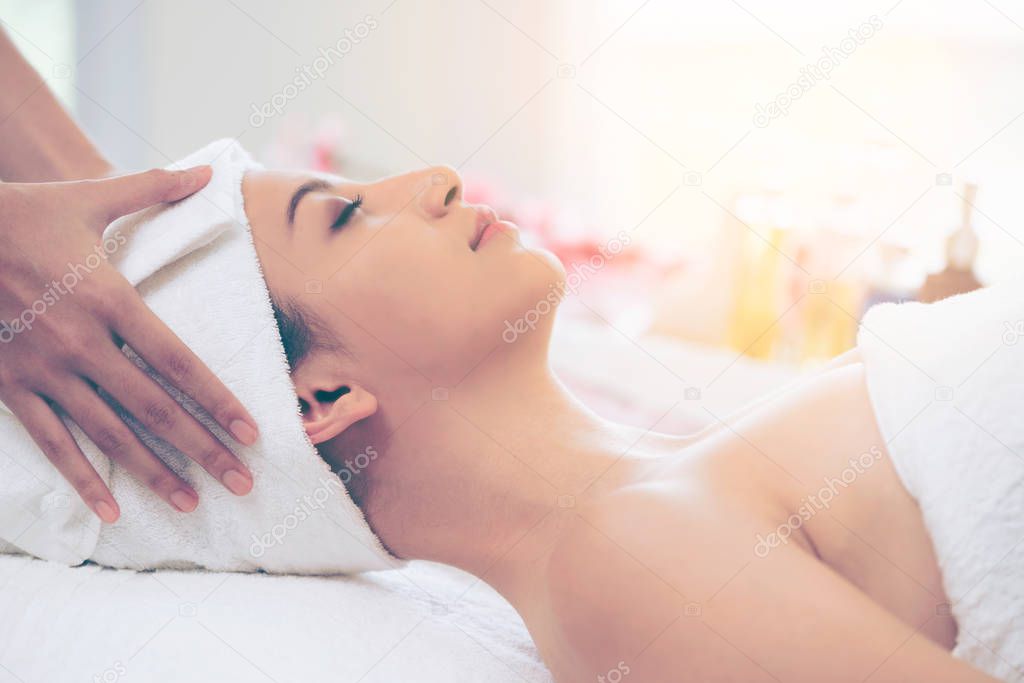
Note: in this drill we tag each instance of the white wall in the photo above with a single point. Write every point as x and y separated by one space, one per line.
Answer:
659 89
431 83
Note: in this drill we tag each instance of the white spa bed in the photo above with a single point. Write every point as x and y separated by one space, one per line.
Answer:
426 623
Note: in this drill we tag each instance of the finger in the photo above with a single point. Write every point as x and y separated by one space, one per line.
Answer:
165 418
53 438
163 351
112 436
122 195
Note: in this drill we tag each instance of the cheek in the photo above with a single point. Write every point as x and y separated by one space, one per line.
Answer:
415 298
520 283
436 306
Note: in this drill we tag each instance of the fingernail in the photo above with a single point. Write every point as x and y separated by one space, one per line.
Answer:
196 170
237 483
105 511
184 501
189 178
244 432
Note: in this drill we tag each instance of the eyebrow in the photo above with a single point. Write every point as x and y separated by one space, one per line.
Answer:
315 185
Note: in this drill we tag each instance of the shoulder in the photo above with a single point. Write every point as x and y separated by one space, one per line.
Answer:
673 536
604 597
614 548
629 566
630 585
667 584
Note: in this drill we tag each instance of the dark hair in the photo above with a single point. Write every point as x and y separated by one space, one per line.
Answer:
301 331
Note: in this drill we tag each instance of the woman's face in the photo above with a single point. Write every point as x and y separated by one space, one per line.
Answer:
401 270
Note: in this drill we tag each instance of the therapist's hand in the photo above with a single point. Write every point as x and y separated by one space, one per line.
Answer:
64 311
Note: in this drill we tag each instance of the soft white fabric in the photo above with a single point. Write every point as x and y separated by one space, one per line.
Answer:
425 623
196 266
947 384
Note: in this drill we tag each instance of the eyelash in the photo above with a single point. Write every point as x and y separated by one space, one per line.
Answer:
347 212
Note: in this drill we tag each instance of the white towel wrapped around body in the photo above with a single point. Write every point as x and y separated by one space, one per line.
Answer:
947 384
195 265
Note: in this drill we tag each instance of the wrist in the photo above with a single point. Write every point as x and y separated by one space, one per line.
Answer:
55 161
87 165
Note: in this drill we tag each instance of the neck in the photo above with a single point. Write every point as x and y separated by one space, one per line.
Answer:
465 480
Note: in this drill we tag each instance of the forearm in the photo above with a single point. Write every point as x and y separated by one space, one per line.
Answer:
39 141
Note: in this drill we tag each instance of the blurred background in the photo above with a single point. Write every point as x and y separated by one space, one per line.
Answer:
742 177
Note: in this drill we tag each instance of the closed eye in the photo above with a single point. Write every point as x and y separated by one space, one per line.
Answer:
347 213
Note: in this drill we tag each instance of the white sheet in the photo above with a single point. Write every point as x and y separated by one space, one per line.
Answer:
425 623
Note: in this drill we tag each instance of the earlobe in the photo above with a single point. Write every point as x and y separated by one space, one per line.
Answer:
330 412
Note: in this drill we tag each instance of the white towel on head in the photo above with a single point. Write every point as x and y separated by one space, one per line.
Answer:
195 264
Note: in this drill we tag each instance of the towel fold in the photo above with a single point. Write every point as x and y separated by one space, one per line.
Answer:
945 382
195 265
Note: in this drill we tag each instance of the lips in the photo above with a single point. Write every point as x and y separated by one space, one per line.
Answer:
485 216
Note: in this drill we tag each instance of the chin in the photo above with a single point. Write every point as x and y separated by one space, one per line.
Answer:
553 263
542 277
537 272
541 267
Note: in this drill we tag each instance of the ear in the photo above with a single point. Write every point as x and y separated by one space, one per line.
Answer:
329 410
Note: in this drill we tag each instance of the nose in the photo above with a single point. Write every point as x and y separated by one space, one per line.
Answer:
443 190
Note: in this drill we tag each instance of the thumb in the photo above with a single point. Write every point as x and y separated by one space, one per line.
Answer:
126 194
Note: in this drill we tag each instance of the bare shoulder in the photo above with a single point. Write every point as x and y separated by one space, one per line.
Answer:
631 575
605 603
663 584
